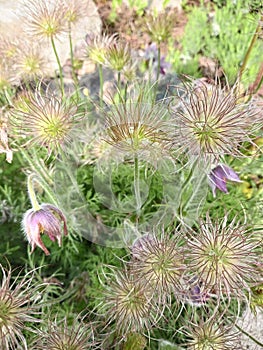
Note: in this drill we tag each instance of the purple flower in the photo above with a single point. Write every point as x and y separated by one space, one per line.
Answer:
220 175
47 220
151 53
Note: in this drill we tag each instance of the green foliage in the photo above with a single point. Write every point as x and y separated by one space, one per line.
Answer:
224 37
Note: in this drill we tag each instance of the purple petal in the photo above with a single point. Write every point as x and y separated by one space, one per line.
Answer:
231 175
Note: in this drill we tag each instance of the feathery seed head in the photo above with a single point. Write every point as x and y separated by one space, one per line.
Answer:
137 126
97 47
223 255
75 10
45 18
8 48
158 264
128 303
16 307
46 121
159 26
118 55
61 335
210 336
47 220
210 122
29 62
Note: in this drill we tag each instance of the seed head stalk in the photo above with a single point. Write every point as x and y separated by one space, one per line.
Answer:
101 83
158 69
249 50
119 80
137 185
59 66
74 76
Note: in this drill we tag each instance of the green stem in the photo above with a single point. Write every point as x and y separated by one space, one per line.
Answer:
137 185
31 193
74 76
185 184
101 84
42 176
158 72
119 81
252 43
158 63
59 66
249 336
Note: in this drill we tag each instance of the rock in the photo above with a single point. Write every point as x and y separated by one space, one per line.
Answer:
13 26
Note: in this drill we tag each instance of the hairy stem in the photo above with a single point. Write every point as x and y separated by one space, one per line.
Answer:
59 66
101 84
31 192
74 76
137 185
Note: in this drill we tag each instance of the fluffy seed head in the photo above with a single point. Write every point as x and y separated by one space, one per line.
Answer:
61 335
210 336
75 10
45 19
17 307
118 55
45 121
159 26
97 47
135 125
158 264
210 122
223 255
128 304
29 62
8 48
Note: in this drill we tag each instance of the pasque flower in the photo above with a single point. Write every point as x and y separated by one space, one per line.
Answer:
223 254
18 307
46 121
211 121
42 219
47 220
220 175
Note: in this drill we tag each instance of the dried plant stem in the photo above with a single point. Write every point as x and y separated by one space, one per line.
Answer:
251 45
258 81
249 336
101 84
59 66
31 193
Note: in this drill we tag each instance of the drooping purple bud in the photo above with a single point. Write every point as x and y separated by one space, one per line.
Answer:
47 220
219 177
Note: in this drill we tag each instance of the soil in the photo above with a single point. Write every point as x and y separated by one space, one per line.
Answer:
129 25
